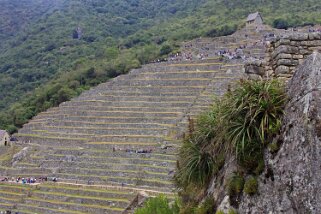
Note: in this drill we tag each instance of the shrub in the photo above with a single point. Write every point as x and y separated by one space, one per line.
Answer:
158 205
274 147
232 211
219 212
254 114
251 186
207 207
195 165
235 185
165 49
260 167
281 24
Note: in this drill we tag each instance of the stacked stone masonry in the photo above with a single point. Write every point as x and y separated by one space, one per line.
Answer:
285 53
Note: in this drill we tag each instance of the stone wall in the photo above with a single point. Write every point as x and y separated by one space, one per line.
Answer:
286 52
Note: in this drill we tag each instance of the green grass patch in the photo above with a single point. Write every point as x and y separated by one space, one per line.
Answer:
251 186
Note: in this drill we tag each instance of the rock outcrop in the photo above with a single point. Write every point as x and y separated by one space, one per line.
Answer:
291 183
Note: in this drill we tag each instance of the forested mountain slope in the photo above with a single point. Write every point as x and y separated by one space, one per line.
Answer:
53 50
15 15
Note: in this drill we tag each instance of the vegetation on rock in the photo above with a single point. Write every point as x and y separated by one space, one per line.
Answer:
251 186
159 205
241 124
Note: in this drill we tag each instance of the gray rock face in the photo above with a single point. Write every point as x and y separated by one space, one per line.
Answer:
292 183
20 155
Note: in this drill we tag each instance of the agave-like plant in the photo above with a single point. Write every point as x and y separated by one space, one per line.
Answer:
242 122
195 164
255 112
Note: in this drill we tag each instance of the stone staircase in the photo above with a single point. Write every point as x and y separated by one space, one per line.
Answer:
118 138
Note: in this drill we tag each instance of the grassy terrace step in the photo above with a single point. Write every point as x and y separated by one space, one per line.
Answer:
106 120
129 103
6 200
90 190
152 183
86 208
108 166
154 98
6 206
158 128
139 92
95 130
109 188
32 209
171 88
132 181
140 98
82 199
32 170
187 64
14 188
98 152
99 124
85 152
124 108
134 158
104 138
89 113
166 83
9 194
115 172
186 74
129 131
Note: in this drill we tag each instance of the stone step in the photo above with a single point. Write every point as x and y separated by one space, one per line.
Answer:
128 181
85 208
176 74
16 171
166 82
89 190
143 159
9 201
112 201
6 206
168 104
117 153
35 208
94 137
106 120
110 166
153 98
14 188
97 125
93 113
146 174
102 131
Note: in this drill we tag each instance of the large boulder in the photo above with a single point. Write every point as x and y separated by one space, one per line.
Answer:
292 181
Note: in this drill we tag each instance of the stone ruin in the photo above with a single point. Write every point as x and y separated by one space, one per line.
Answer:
284 54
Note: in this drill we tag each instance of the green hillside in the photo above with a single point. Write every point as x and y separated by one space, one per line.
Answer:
44 60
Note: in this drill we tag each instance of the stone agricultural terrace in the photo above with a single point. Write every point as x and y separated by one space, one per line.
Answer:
122 137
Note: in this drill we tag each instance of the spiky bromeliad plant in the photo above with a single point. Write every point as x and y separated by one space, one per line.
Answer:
195 164
254 115
241 123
